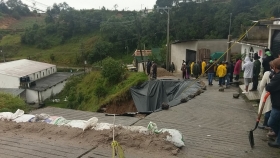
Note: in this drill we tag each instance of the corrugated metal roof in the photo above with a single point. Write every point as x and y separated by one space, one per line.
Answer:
20 68
52 80
12 91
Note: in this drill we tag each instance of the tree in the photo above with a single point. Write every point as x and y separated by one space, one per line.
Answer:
112 70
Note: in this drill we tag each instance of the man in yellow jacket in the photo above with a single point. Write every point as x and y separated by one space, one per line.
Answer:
192 64
221 73
203 66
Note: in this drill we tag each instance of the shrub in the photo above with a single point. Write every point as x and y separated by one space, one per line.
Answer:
9 103
112 70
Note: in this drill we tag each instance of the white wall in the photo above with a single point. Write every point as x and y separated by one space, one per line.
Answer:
56 89
178 52
31 96
217 45
9 81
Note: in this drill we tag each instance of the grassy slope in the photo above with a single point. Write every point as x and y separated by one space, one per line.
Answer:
86 88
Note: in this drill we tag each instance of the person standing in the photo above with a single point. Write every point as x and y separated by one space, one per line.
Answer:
256 72
221 73
227 77
268 58
248 73
183 69
188 71
237 69
192 64
231 71
210 72
203 66
196 70
149 65
154 68
172 66
274 88
267 108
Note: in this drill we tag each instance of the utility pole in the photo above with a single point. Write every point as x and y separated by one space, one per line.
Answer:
168 55
229 40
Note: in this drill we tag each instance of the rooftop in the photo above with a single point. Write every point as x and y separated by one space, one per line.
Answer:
23 67
12 91
51 80
260 43
144 53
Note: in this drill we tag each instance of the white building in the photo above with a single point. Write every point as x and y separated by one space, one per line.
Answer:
197 50
12 72
39 80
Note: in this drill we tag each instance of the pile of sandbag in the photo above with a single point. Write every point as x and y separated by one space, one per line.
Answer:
174 135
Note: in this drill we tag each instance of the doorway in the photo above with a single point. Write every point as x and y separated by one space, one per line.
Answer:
190 55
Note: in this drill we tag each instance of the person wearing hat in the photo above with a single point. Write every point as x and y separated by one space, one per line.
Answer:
256 72
210 68
267 60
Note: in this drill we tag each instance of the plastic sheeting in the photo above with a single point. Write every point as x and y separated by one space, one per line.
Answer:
149 96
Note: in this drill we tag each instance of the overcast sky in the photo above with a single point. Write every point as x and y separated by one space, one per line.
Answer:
96 4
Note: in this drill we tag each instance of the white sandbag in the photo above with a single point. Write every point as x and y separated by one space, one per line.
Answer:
102 126
6 116
175 137
76 124
51 119
90 123
139 129
11 116
24 118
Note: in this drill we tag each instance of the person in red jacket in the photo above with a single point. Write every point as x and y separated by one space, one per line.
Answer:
237 69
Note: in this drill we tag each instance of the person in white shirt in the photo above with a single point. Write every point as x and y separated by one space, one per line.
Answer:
248 72
268 106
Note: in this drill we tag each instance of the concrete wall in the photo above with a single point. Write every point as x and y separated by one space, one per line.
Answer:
55 90
271 32
9 81
178 52
218 45
258 33
32 96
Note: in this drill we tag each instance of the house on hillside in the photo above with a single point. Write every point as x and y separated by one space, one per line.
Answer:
197 50
37 80
147 54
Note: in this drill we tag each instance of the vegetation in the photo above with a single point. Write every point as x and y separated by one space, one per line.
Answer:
9 103
92 91
69 36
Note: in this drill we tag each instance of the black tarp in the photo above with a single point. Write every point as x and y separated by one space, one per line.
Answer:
149 96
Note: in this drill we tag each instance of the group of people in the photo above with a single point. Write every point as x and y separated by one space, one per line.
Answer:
151 65
194 69
271 83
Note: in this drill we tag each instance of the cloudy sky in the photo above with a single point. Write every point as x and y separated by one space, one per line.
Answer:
96 4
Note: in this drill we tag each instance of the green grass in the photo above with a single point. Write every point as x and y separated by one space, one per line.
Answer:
85 87
65 55
9 103
26 22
